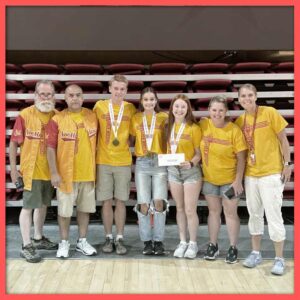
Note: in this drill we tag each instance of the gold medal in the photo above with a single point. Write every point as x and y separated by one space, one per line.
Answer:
115 142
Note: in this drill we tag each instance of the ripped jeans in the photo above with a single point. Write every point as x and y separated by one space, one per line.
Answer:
151 184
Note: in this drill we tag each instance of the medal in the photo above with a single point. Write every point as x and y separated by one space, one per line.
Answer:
149 133
174 142
252 158
115 142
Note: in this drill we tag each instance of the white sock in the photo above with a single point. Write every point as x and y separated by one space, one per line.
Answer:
119 236
193 243
183 242
110 236
255 252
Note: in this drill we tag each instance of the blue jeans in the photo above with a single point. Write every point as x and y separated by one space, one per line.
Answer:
151 184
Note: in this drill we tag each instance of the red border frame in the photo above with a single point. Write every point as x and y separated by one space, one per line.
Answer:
6 3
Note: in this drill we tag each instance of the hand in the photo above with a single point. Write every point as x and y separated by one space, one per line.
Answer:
238 187
14 174
185 165
55 180
286 174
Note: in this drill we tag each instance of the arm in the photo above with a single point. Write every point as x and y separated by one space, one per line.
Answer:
14 174
193 162
240 168
55 177
287 170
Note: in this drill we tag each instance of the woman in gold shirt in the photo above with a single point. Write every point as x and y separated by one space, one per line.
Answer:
223 151
148 128
184 136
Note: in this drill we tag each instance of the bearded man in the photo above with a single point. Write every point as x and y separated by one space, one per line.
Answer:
34 175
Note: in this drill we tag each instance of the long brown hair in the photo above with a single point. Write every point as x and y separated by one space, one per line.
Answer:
189 118
149 90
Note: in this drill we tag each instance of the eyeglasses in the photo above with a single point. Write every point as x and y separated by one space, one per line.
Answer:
45 95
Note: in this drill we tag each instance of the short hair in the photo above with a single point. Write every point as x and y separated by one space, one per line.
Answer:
119 78
149 90
248 86
219 99
189 118
47 82
73 85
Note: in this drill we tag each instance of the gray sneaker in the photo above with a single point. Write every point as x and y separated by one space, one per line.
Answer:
44 244
108 246
28 252
120 248
278 267
252 260
191 251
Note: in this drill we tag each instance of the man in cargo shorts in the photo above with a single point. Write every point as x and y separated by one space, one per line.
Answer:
114 161
29 133
71 149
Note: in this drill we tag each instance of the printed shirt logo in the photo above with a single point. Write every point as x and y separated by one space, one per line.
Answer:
208 140
68 136
32 134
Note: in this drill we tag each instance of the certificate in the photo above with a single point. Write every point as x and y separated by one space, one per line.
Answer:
170 159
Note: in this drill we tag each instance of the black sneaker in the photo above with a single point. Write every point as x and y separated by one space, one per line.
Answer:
159 248
44 244
212 252
148 248
28 252
231 257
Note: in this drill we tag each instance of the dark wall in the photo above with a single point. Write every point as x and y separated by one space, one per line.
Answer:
149 28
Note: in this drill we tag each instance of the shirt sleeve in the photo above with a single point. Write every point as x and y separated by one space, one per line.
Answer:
18 133
51 134
278 123
197 135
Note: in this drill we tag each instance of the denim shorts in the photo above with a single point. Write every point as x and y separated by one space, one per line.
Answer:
183 176
210 189
150 179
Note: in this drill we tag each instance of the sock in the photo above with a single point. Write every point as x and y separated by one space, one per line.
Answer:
255 252
81 239
183 242
193 243
110 236
119 236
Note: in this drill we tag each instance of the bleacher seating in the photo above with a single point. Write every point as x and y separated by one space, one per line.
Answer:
198 81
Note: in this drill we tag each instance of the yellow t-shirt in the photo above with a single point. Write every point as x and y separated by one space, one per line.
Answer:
219 147
83 168
267 147
107 153
41 169
137 130
189 140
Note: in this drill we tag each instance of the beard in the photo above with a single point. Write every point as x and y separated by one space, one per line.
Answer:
44 106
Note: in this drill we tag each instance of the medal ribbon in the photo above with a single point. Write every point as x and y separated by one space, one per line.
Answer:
115 125
250 137
174 142
149 134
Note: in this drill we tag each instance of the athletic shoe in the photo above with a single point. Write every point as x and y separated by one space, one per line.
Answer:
120 248
85 248
108 246
191 251
148 248
159 248
28 252
232 254
212 252
252 260
278 267
180 250
44 244
63 249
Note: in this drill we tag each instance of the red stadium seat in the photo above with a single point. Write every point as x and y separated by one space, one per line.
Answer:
13 86
83 69
126 69
209 68
42 69
284 67
88 87
168 68
250 67
13 69
30 85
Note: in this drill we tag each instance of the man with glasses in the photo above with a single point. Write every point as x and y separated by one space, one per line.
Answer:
29 134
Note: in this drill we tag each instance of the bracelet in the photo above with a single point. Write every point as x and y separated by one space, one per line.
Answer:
192 164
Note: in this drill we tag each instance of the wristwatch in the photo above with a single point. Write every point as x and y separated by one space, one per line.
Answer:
288 163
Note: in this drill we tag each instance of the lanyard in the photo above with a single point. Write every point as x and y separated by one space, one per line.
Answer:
250 138
115 125
174 142
149 134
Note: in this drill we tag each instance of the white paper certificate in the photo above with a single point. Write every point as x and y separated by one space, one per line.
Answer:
170 159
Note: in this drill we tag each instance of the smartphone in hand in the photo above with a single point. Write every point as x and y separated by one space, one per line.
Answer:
229 194
19 183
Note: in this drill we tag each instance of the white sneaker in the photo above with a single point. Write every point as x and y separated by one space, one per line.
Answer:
85 248
180 249
191 251
63 249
